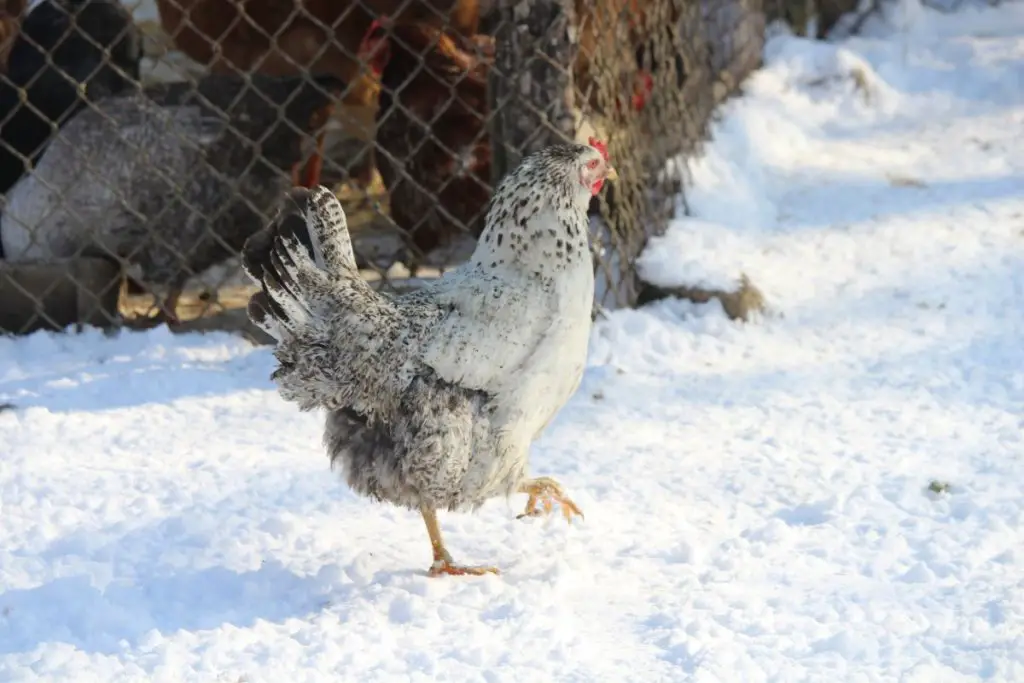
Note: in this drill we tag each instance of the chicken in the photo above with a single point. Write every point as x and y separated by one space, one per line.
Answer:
173 179
11 14
288 37
433 397
281 37
434 155
604 52
61 61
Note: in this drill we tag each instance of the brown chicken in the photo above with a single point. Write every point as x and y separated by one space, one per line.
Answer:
434 154
287 37
598 22
11 14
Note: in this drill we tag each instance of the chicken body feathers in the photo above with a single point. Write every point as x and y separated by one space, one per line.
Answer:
400 432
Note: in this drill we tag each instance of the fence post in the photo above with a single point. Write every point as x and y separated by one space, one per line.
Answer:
531 84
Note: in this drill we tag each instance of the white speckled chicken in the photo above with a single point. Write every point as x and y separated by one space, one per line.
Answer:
434 397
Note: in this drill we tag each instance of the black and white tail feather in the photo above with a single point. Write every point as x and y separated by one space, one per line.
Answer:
339 343
306 269
295 260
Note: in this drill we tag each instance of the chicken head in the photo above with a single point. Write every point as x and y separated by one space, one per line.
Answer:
597 168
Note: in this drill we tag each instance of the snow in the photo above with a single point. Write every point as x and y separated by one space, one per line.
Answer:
756 496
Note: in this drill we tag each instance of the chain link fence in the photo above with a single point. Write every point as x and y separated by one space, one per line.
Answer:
142 144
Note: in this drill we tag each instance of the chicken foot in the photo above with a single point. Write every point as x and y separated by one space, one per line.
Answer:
547 492
443 562
166 311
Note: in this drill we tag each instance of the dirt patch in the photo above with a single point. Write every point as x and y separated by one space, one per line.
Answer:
739 304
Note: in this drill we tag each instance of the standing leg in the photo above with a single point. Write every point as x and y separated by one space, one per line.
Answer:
315 164
169 311
443 563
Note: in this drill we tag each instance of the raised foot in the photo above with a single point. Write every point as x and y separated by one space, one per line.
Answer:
546 492
443 567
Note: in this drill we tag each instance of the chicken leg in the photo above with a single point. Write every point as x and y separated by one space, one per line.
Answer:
547 491
166 313
315 166
169 309
310 176
443 562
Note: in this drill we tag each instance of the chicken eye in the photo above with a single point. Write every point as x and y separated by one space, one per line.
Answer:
592 163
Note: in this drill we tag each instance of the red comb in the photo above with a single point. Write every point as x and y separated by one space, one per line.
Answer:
366 46
599 146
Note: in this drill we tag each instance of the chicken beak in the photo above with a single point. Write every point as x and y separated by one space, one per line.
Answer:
611 173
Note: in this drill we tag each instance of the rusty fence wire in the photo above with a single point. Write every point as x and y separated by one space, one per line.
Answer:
143 143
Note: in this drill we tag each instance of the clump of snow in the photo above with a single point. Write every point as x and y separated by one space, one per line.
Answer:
825 70
695 253
758 499
777 131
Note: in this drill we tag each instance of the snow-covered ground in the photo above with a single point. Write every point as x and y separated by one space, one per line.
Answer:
756 496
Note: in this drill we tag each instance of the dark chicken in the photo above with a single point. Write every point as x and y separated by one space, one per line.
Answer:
11 14
68 53
434 154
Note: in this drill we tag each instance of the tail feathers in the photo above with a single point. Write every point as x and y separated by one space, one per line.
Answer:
327 231
295 259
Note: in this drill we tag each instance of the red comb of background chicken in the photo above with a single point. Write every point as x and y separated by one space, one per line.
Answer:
367 47
600 146
643 90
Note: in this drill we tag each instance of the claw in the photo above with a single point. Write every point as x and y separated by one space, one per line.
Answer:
546 492
442 567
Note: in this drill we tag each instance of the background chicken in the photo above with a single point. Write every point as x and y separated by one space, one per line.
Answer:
11 13
606 51
434 397
68 53
435 155
290 37
174 179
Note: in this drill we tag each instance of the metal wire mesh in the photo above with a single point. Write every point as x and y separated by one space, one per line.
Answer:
142 144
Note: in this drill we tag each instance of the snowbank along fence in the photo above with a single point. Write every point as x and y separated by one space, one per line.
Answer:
441 99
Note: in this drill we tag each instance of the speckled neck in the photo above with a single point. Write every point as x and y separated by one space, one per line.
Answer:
537 224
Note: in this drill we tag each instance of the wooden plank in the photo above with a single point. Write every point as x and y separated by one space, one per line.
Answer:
52 296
